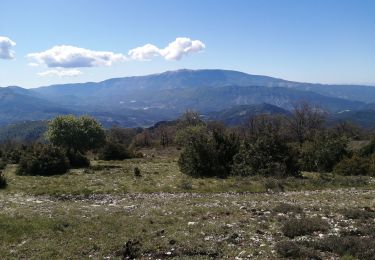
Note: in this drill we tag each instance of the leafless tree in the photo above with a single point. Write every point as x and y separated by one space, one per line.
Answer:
305 121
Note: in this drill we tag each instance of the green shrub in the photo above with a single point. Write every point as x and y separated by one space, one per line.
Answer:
137 172
354 165
114 151
43 160
358 214
3 181
323 153
2 164
12 155
369 149
131 250
77 159
76 133
359 247
291 249
269 155
207 153
304 226
286 208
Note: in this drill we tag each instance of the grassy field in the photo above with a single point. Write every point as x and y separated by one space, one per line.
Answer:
106 212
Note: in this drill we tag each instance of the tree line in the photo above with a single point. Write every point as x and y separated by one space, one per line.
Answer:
267 145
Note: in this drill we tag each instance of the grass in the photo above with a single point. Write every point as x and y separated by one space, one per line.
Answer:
159 172
185 225
107 212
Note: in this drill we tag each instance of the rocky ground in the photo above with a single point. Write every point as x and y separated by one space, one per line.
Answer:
327 224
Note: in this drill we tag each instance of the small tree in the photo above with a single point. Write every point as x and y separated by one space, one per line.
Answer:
323 153
114 151
305 121
189 118
43 160
354 165
269 155
122 136
79 134
369 149
207 154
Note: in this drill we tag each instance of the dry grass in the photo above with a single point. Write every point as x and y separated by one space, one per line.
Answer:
106 212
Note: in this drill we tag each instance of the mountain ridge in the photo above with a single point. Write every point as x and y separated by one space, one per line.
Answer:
144 100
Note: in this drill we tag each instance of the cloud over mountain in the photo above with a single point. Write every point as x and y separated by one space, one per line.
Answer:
66 56
174 51
6 45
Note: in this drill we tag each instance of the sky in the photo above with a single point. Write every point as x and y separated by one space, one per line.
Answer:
44 42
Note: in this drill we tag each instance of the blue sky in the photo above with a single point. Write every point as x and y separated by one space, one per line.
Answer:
327 41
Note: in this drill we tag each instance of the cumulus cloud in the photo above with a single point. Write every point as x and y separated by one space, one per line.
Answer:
6 45
64 59
174 51
180 47
145 52
66 56
61 73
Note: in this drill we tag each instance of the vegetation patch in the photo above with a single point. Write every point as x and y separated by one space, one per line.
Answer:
355 246
3 181
291 249
286 208
304 226
43 160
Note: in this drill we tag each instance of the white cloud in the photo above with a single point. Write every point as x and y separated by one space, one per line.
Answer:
174 51
180 47
61 73
145 52
65 56
6 45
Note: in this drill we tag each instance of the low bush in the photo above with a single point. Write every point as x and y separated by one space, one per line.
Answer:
131 250
3 181
369 149
207 153
43 160
77 159
358 214
323 153
304 226
291 249
13 155
269 155
354 165
355 246
286 208
137 172
114 151
2 164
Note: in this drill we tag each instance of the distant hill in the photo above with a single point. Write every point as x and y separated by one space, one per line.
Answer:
363 117
177 91
27 131
182 79
145 100
17 104
239 115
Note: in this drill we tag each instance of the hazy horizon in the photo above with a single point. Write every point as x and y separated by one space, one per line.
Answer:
161 72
